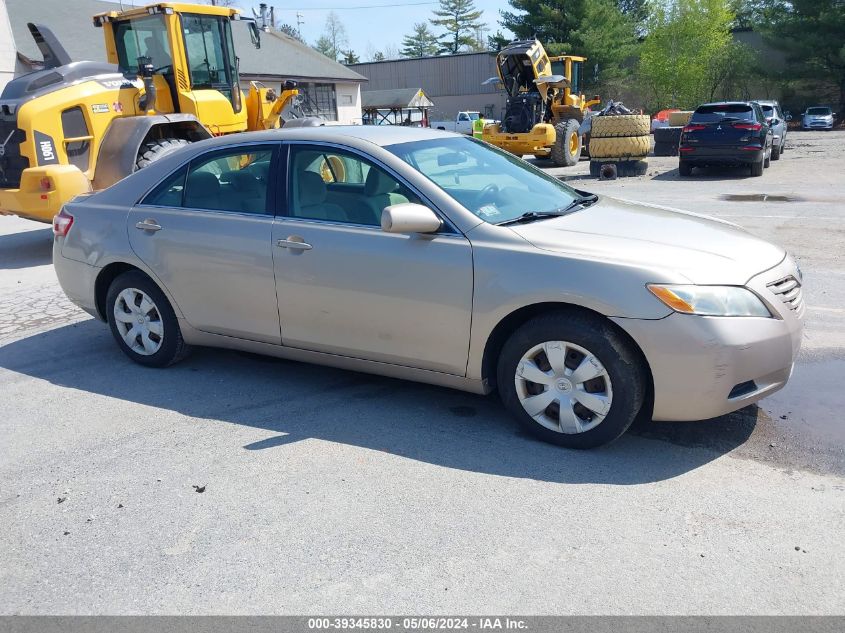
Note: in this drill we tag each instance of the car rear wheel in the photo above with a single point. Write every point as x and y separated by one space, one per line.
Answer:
757 168
143 322
776 150
571 379
684 169
768 159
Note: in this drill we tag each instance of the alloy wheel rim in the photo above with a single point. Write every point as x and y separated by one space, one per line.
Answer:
563 387
139 321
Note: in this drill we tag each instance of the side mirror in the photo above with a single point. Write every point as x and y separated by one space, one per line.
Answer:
408 217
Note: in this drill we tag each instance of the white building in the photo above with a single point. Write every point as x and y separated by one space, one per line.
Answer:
329 89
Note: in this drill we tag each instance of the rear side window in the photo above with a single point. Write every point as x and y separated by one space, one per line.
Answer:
721 111
225 181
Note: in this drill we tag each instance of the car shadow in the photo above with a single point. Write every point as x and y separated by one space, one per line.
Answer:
26 248
297 401
706 173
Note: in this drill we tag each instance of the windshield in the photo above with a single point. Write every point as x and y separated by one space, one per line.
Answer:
818 111
143 37
717 112
493 184
211 57
473 116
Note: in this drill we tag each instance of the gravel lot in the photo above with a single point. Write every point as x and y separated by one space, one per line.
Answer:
326 491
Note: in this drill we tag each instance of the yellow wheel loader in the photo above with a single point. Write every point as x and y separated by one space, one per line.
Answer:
172 78
544 106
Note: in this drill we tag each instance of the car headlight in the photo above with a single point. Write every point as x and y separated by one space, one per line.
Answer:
710 300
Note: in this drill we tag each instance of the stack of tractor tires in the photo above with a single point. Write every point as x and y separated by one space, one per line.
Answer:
667 140
622 139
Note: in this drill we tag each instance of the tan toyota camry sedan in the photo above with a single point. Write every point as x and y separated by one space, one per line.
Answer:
434 257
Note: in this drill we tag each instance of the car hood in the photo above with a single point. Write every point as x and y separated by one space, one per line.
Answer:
702 249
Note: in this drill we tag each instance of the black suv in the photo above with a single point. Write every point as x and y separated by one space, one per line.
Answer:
728 133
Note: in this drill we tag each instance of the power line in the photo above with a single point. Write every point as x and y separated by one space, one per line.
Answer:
367 6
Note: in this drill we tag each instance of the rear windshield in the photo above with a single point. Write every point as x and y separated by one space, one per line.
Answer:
721 111
767 109
817 111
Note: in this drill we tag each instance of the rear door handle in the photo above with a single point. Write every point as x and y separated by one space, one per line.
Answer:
148 225
294 243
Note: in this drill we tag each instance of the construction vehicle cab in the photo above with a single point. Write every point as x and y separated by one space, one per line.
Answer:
172 79
544 105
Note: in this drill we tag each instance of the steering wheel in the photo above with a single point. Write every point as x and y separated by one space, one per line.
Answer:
489 191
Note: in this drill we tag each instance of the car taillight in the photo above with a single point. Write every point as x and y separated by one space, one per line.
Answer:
748 126
62 223
694 127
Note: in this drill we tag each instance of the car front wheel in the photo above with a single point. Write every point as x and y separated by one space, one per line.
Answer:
571 379
143 322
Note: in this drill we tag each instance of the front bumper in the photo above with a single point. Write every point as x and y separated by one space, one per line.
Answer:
538 141
817 125
704 367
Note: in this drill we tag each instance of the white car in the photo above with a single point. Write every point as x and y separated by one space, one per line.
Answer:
817 118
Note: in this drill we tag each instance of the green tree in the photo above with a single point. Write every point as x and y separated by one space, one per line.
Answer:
349 57
498 41
685 39
461 20
607 37
550 21
421 43
812 33
333 38
290 31
378 56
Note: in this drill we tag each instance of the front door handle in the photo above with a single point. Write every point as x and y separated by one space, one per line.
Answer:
148 225
295 243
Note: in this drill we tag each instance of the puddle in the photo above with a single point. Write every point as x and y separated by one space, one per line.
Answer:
761 197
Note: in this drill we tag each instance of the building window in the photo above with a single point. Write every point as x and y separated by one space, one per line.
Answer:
318 100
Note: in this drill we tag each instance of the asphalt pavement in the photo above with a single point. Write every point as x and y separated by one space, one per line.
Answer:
237 484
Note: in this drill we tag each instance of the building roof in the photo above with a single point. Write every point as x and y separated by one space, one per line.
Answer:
397 98
280 56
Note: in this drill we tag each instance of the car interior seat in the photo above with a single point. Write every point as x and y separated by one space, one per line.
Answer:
311 199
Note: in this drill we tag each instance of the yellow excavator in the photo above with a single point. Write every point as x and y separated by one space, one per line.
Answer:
172 78
544 106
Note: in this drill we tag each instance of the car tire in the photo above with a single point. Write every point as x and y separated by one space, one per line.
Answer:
143 322
684 169
613 380
767 159
563 153
757 168
776 153
152 151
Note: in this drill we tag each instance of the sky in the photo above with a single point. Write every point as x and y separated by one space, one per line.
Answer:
371 25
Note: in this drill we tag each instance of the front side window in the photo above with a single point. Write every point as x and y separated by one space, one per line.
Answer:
340 186
493 184
230 181
143 37
211 59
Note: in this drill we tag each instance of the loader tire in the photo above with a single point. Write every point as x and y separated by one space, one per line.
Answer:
620 147
680 118
612 126
670 135
566 151
151 151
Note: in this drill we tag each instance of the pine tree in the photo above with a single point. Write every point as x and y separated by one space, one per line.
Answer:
460 19
420 43
550 21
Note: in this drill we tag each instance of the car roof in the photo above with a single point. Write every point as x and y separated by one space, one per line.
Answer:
770 102
724 103
381 135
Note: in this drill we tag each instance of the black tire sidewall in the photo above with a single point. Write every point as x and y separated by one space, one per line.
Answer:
620 359
172 345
